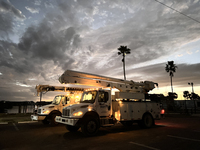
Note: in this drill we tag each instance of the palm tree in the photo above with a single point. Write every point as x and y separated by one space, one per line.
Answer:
124 50
171 68
186 95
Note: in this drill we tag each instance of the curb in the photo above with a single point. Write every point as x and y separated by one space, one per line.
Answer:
196 115
3 122
27 122
21 122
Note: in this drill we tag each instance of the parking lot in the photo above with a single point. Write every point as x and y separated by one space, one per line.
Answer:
171 132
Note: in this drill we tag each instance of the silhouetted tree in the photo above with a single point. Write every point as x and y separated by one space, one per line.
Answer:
124 50
194 96
186 94
171 68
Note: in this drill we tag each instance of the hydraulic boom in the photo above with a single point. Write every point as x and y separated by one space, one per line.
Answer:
75 77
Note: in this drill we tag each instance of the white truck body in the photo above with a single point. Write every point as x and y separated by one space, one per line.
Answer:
121 110
47 113
100 108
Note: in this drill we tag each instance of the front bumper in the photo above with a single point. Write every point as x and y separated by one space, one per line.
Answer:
67 121
37 117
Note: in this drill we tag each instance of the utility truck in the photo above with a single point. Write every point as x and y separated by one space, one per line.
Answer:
47 113
114 101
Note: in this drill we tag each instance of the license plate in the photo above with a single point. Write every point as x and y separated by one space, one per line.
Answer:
63 120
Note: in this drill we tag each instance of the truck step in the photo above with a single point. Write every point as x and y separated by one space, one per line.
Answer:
108 125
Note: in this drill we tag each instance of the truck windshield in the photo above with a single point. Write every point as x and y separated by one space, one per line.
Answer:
56 100
89 97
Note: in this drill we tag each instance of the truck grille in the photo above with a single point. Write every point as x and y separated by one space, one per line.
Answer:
39 111
66 112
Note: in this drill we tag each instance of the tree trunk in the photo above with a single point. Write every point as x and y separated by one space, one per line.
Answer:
171 84
124 66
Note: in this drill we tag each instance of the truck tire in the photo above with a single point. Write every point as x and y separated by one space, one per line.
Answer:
53 120
147 121
90 126
72 128
45 121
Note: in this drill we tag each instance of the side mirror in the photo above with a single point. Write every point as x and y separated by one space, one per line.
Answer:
64 102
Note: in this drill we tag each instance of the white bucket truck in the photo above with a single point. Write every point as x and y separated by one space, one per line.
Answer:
104 107
47 113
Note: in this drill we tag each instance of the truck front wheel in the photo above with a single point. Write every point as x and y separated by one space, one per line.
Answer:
147 121
72 128
90 126
53 121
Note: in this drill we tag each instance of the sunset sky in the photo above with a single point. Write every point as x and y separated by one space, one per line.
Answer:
40 39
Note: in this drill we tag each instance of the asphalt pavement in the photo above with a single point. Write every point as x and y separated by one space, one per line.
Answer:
172 132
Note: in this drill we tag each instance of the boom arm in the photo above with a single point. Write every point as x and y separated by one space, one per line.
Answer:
46 88
74 77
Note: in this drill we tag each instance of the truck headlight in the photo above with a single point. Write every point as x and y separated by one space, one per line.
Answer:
79 113
46 112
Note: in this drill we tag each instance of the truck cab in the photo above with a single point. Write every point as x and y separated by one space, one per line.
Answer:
47 113
94 104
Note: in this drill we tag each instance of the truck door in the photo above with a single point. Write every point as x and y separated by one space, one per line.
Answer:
104 103
63 103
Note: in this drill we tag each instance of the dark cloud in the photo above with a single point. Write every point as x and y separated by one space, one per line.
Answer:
45 43
50 45
6 25
13 59
8 7
69 12
11 94
8 18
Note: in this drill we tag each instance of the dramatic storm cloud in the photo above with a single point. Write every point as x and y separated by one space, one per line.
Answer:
39 40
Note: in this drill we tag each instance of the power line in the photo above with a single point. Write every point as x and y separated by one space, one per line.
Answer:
178 11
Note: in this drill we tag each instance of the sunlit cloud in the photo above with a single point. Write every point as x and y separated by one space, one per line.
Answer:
31 79
180 55
189 52
21 84
32 10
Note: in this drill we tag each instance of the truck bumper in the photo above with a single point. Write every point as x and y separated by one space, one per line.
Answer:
37 117
67 121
